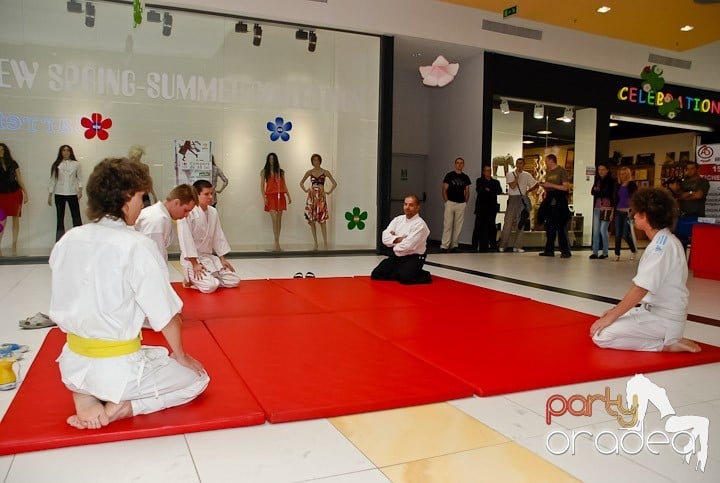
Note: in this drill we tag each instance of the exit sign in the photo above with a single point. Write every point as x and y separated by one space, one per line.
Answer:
510 11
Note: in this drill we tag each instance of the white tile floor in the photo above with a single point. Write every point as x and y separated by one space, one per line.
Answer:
317 451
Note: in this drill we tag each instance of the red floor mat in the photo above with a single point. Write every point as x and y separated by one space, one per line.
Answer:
251 297
533 358
319 365
36 418
346 293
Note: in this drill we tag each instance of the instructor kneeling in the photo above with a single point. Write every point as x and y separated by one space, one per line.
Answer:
106 280
407 236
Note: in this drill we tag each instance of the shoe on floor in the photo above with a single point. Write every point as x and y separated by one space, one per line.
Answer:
593 256
632 257
617 258
518 250
602 257
567 255
546 254
298 275
37 321
309 275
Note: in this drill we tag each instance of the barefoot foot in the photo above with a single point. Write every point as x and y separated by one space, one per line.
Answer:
683 345
90 412
118 411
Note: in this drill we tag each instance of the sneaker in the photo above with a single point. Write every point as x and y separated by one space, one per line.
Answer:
546 254
593 256
602 257
518 250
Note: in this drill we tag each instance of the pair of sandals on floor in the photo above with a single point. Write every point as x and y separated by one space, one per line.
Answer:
307 275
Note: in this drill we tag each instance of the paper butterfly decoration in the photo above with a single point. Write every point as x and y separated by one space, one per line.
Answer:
440 73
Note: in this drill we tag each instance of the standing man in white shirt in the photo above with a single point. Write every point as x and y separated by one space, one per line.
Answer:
156 220
200 234
407 236
106 280
520 183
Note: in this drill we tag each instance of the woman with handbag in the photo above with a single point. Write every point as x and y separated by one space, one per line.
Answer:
624 190
603 190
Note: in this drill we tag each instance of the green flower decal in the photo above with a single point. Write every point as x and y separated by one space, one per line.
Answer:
356 219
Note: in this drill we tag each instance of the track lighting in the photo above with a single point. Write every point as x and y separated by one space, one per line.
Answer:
301 34
89 14
568 115
257 35
241 28
504 106
539 111
153 16
73 6
167 24
312 43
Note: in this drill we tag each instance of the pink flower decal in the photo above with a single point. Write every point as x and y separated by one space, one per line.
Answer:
440 73
96 125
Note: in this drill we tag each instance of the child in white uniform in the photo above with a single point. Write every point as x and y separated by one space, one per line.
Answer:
200 234
659 286
106 280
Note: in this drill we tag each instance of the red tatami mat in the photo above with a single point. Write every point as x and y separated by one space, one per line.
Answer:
318 365
251 297
36 418
523 358
345 293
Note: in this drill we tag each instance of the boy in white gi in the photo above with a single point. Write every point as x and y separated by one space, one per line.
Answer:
659 286
200 234
106 280
156 220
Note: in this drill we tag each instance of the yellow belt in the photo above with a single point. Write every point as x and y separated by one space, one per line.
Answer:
99 348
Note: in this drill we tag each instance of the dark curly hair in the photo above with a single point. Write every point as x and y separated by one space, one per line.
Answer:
112 183
658 205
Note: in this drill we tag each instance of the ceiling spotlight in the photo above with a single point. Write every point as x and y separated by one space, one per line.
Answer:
528 141
153 16
89 14
241 28
687 28
539 111
167 24
257 35
312 42
568 115
301 34
504 106
612 124
74 6
544 132
603 9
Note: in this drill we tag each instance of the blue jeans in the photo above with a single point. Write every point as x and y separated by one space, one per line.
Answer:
600 229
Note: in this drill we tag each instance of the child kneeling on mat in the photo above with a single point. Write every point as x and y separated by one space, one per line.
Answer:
659 286
106 280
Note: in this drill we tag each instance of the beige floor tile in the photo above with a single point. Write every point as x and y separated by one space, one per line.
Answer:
508 462
414 433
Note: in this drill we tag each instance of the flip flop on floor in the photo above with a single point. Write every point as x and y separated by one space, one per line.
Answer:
37 321
298 275
309 275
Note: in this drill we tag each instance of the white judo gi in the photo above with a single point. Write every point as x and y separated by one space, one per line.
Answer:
661 318
199 235
155 222
106 280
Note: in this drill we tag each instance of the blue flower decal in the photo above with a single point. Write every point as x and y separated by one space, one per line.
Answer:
279 129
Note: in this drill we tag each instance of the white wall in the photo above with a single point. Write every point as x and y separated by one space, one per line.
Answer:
585 129
411 113
432 19
455 131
